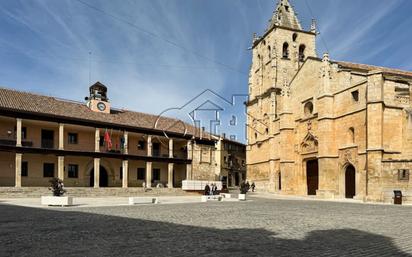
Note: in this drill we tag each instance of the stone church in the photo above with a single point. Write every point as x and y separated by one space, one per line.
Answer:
321 127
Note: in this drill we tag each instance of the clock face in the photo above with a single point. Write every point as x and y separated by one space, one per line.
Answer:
101 106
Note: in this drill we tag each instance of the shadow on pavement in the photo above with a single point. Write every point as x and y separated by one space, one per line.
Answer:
40 232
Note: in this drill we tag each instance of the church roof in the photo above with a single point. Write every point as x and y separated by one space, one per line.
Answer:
368 68
284 16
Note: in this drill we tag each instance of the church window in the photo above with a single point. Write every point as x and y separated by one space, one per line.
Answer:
270 52
256 135
285 50
308 108
294 37
355 95
267 131
352 135
302 53
287 8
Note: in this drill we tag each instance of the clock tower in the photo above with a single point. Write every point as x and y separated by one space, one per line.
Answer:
98 101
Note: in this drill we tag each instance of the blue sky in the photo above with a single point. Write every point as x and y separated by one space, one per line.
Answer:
45 44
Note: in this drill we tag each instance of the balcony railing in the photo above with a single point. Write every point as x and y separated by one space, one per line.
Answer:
47 143
13 142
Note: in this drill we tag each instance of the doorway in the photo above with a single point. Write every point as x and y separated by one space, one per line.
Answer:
47 138
350 182
103 178
312 176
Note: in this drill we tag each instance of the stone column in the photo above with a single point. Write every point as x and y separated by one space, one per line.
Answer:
170 148
189 157
18 131
170 175
61 136
148 174
97 140
149 146
19 158
125 170
60 167
96 172
126 142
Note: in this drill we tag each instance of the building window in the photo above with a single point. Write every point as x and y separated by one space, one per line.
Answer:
233 121
355 96
302 53
270 52
24 169
156 175
48 170
73 171
141 173
352 135
294 37
121 172
403 175
308 108
140 145
73 138
285 53
224 159
101 142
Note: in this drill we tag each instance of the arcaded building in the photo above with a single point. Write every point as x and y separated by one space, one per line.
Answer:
90 144
322 127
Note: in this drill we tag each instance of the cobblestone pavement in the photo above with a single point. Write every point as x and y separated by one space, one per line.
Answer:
260 227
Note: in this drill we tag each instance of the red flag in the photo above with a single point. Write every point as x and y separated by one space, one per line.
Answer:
108 141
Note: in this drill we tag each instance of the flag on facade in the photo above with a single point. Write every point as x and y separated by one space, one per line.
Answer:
108 140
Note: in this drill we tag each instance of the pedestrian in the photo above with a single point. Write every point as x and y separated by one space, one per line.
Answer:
247 185
253 186
207 190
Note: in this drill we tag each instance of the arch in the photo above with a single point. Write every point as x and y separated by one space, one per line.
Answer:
285 52
294 37
103 177
302 53
350 181
308 108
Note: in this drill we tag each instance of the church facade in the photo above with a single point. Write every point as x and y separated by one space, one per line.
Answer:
322 127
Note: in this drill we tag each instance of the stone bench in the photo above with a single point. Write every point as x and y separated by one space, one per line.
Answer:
143 200
206 198
57 200
226 195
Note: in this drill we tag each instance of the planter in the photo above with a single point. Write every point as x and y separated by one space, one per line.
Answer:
57 200
242 197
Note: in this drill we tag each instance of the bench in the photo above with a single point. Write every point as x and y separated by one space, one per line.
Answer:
226 195
143 200
206 198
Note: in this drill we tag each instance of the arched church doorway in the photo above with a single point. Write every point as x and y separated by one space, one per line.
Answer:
103 178
350 182
312 176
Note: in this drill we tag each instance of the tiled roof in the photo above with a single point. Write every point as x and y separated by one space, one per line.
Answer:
33 103
366 67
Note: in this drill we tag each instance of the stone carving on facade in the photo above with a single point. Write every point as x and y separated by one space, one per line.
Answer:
309 143
348 156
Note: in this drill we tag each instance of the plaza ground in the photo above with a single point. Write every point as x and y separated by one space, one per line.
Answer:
258 227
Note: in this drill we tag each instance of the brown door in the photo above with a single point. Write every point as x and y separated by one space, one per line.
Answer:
312 174
350 182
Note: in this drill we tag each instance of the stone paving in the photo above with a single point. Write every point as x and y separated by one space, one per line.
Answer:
259 227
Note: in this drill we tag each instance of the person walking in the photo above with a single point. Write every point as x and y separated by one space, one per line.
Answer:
207 189
247 185
253 186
